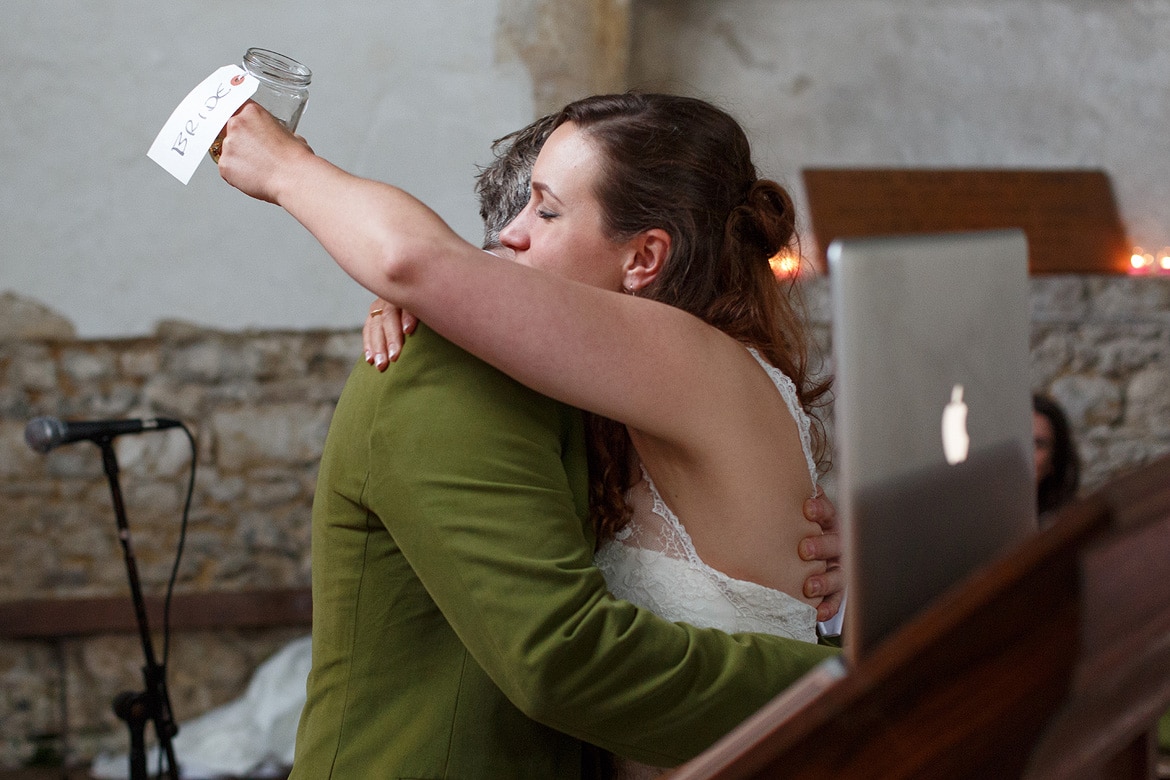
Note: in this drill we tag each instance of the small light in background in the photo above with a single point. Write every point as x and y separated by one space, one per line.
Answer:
784 265
1139 260
1143 262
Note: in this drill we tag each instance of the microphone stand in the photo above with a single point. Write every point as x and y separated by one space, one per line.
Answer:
153 704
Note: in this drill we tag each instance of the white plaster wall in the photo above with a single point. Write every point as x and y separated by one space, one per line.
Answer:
407 92
412 92
919 83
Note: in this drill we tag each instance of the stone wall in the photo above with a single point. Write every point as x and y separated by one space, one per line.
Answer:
1101 348
258 405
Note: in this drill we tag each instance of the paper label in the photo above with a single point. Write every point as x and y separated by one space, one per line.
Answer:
183 141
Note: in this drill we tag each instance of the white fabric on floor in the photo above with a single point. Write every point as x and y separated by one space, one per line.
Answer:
253 735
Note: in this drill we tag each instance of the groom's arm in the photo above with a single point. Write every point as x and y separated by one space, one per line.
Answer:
488 508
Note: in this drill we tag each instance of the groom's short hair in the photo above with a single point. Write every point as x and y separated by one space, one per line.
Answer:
503 186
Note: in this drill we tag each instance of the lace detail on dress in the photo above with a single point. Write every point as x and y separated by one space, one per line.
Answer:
788 392
652 562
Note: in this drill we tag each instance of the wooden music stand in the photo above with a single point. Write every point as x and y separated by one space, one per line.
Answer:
1052 662
1070 216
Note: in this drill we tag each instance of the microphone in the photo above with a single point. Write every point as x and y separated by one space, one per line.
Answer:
45 433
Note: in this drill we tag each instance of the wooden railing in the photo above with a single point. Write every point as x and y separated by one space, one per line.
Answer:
1053 662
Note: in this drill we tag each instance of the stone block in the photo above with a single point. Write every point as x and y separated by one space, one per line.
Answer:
174 398
1060 298
1130 298
99 668
18 461
199 362
15 403
269 493
33 368
274 356
140 362
1142 346
344 347
78 461
165 453
1051 354
219 488
282 433
30 689
1088 400
1148 401
88 365
100 399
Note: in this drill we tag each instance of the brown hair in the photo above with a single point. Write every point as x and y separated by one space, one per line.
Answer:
1061 485
683 165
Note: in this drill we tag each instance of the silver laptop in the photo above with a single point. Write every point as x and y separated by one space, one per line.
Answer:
933 421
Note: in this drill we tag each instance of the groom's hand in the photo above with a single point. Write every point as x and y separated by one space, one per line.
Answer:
830 585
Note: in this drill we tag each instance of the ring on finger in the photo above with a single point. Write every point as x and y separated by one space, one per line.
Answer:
376 312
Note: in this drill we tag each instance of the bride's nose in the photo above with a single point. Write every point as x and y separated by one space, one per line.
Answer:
514 235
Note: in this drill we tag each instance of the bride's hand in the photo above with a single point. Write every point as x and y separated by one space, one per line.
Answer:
384 332
257 150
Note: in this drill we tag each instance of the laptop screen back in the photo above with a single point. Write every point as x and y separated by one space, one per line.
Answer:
932 416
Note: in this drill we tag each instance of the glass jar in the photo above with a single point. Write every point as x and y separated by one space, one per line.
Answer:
283 89
284 84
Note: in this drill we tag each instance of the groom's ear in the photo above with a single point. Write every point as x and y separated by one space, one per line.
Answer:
650 249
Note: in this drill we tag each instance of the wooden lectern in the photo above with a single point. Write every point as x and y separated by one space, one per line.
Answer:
1052 662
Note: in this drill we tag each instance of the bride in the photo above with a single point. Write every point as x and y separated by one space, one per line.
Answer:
641 292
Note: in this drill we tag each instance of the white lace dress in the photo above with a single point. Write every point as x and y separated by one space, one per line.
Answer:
653 563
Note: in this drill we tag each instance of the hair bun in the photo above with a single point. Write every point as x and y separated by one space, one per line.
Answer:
764 220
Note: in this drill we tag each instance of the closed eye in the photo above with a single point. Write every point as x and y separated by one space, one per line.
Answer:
545 214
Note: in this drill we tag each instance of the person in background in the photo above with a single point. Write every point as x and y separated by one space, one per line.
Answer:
1058 467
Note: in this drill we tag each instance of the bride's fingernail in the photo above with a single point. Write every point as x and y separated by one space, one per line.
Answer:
379 360
369 357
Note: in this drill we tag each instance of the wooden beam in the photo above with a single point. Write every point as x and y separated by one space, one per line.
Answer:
72 617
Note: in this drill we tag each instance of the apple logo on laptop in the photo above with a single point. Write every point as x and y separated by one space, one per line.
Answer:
954 428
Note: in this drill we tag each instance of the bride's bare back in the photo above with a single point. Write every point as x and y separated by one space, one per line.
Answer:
741 506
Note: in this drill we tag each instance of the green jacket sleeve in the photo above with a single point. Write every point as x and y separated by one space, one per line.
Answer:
483 489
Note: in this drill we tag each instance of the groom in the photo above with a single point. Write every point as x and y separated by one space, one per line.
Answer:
460 628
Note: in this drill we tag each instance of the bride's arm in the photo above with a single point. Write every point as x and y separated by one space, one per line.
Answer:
598 350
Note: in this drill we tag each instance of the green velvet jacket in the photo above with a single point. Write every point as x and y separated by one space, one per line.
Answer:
459 626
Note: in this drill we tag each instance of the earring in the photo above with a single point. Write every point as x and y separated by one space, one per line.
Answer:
627 289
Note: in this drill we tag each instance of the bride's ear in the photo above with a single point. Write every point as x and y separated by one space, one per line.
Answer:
650 249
